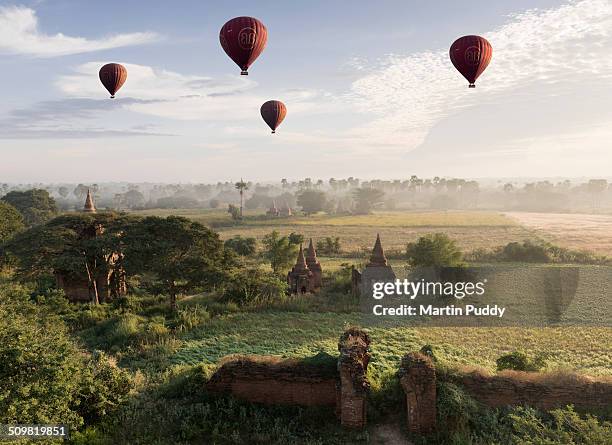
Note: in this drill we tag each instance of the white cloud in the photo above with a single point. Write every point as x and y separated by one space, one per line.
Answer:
168 94
20 34
570 46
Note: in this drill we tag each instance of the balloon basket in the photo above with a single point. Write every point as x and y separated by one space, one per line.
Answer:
471 85
244 73
273 131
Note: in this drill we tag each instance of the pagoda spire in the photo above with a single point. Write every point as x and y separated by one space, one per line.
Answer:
311 254
89 206
378 255
300 264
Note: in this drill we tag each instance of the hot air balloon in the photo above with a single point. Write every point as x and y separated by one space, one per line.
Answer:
471 55
243 39
273 113
113 76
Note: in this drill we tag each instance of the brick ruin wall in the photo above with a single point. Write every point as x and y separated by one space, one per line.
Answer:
543 391
271 380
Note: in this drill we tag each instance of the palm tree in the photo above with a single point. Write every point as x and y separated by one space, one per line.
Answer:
241 187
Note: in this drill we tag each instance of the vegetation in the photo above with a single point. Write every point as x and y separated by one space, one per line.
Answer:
311 201
11 221
519 361
35 205
241 245
434 250
279 251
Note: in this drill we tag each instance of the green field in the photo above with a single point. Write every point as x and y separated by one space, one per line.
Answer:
471 230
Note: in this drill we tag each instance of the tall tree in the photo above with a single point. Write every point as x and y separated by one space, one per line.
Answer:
83 246
11 221
241 186
35 205
311 201
279 251
435 249
367 199
182 255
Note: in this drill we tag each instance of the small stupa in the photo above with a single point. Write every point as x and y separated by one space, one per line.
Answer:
89 206
376 271
300 278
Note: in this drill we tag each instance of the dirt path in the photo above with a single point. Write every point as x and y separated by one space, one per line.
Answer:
389 434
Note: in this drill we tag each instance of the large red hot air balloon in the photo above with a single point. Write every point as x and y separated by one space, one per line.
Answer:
243 39
273 112
471 55
113 76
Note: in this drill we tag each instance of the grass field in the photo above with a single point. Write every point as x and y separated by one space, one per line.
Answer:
296 334
576 231
293 334
357 233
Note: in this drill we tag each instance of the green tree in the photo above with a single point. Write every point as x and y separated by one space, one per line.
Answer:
84 246
241 186
311 201
45 377
242 246
435 249
279 251
296 238
35 205
367 199
234 212
182 255
11 221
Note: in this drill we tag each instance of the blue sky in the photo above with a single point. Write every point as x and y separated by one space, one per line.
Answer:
369 89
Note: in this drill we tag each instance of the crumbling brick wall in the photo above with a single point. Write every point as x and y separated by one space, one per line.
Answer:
418 379
274 381
352 367
539 390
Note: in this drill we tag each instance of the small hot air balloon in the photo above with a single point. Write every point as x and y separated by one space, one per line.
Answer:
113 76
273 113
243 39
471 55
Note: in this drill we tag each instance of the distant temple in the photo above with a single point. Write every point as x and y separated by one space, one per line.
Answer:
276 212
109 284
377 270
306 275
89 206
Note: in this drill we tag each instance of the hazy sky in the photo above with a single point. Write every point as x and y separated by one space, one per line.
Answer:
368 85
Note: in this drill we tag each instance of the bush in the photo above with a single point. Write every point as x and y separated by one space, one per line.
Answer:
329 246
252 285
242 246
525 252
436 250
519 361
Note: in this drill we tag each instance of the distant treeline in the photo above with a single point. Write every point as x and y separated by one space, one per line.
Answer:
349 195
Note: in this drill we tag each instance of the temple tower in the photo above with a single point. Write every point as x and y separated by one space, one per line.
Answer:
377 270
314 265
89 206
300 278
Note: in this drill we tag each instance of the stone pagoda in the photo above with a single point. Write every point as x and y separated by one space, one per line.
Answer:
89 206
300 279
314 265
377 270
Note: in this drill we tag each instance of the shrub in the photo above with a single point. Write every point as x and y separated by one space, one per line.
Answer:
251 285
525 252
436 250
242 246
519 361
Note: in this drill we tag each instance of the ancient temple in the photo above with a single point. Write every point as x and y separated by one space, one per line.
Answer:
273 210
108 284
377 270
286 210
314 265
301 280
89 206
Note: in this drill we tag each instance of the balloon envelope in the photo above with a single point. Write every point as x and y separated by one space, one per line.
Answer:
273 113
471 55
243 39
113 76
